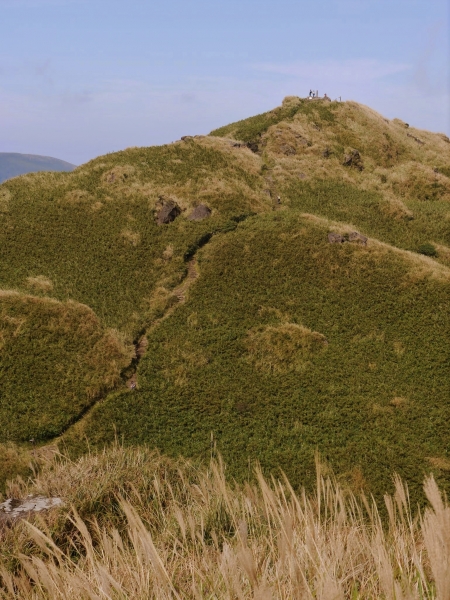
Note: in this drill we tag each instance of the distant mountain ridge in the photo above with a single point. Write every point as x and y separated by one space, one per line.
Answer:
13 164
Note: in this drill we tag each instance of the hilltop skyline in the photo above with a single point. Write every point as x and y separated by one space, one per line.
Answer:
80 79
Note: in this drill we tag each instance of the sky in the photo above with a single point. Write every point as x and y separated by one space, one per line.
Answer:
80 78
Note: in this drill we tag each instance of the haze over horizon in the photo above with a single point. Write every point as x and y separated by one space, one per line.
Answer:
82 78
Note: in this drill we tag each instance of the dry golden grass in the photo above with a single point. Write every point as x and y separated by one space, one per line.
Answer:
439 462
399 401
393 207
181 360
142 527
40 283
395 163
418 181
241 156
420 266
443 253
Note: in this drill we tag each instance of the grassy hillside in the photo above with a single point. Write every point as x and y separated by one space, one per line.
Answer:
253 336
13 164
287 344
57 359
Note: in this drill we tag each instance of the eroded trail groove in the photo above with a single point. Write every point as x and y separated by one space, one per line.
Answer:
141 344
130 373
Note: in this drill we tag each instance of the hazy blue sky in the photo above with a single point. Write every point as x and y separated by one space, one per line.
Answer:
79 78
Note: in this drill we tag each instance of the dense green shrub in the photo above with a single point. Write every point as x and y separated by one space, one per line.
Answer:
428 249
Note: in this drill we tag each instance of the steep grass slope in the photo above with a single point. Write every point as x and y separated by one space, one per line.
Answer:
287 344
56 359
283 343
13 164
89 239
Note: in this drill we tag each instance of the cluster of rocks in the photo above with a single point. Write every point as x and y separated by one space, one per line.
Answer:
167 210
353 236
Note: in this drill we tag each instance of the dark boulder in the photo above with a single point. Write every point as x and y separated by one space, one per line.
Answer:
199 213
253 146
167 212
353 160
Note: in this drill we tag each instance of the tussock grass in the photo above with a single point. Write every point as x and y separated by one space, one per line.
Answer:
283 348
39 284
142 526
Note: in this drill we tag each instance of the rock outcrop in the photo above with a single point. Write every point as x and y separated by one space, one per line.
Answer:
167 211
353 236
335 238
199 213
353 160
14 508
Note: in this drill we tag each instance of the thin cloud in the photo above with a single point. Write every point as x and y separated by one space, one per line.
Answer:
37 3
335 71
69 98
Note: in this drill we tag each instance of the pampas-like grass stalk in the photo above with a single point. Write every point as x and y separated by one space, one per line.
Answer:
186 533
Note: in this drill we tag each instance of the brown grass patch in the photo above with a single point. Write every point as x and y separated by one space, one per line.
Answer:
283 348
420 266
168 253
399 348
398 401
159 301
439 462
119 174
181 361
75 197
240 155
132 238
5 197
40 283
419 182
443 253
393 207
113 346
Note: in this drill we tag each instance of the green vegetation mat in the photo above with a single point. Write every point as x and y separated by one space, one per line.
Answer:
372 397
246 333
